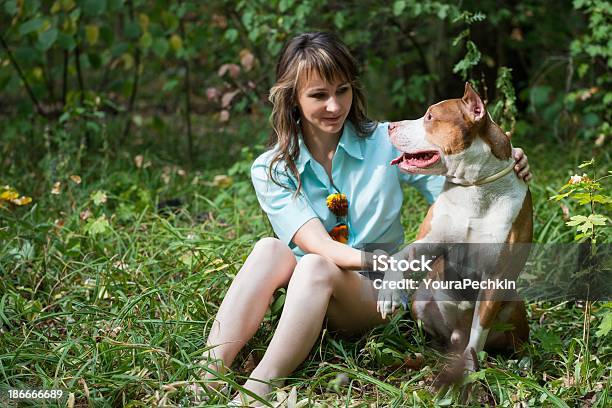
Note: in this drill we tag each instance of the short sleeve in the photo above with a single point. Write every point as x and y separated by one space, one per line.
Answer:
428 184
286 211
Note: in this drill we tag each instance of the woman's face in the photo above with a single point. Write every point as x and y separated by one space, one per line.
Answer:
324 106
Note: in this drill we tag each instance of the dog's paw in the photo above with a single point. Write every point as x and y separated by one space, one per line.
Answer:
457 369
389 297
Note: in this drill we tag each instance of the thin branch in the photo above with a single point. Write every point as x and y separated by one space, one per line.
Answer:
65 78
136 79
77 63
47 70
39 109
187 98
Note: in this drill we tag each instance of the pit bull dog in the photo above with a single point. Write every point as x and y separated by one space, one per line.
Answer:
483 202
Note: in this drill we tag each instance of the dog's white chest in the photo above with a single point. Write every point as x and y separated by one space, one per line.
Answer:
464 214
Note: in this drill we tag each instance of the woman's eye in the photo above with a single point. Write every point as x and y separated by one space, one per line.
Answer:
342 90
318 96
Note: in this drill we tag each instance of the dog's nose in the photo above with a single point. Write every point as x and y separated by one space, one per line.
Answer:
392 126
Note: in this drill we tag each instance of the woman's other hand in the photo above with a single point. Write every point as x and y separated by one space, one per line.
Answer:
522 166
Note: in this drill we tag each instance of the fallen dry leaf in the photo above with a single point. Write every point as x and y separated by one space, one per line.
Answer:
224 115
226 99
76 179
565 211
221 180
219 20
85 214
414 363
138 160
247 59
212 94
57 187
233 69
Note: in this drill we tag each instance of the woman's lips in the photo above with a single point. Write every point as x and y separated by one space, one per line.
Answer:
332 120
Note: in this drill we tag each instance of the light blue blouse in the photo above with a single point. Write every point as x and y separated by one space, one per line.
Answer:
361 170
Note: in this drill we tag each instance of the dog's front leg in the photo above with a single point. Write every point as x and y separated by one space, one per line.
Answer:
485 313
393 290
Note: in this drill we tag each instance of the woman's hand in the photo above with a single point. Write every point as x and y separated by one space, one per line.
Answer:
522 166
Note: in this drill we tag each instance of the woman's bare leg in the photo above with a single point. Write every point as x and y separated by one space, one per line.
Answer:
267 268
316 288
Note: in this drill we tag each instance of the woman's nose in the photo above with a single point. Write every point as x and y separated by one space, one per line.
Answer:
333 105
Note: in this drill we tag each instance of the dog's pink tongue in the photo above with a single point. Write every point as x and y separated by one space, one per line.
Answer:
398 160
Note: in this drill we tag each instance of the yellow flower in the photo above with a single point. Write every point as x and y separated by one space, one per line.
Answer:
12 196
337 204
22 201
8 195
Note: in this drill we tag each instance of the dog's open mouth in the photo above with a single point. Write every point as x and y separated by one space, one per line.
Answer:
419 160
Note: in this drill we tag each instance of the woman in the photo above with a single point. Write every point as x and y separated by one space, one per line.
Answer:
325 145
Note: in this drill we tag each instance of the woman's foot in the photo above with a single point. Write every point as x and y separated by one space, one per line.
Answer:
211 381
262 389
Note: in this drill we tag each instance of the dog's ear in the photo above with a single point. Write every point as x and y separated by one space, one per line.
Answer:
473 103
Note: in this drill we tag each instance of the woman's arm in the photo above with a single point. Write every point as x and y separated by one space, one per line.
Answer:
313 238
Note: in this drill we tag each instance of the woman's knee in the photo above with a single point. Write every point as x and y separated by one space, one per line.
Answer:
272 256
272 247
316 270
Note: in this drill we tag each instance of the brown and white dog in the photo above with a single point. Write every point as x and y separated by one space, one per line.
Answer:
482 202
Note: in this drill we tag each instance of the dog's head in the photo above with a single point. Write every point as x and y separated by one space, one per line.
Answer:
451 131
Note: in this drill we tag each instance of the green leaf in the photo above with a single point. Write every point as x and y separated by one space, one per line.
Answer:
92 33
99 197
598 198
170 85
587 163
585 227
94 7
146 40
473 377
339 20
560 196
583 198
132 30
47 38
30 26
11 7
160 47
283 5
97 226
464 34
170 21
66 41
231 35
605 326
598 219
576 220
398 7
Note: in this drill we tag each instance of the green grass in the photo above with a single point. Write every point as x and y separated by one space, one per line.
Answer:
116 311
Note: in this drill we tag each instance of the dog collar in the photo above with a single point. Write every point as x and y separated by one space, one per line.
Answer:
491 178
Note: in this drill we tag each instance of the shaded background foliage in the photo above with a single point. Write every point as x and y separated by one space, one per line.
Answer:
111 109
151 61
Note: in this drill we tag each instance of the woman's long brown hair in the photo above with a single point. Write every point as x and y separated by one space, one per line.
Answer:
301 56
